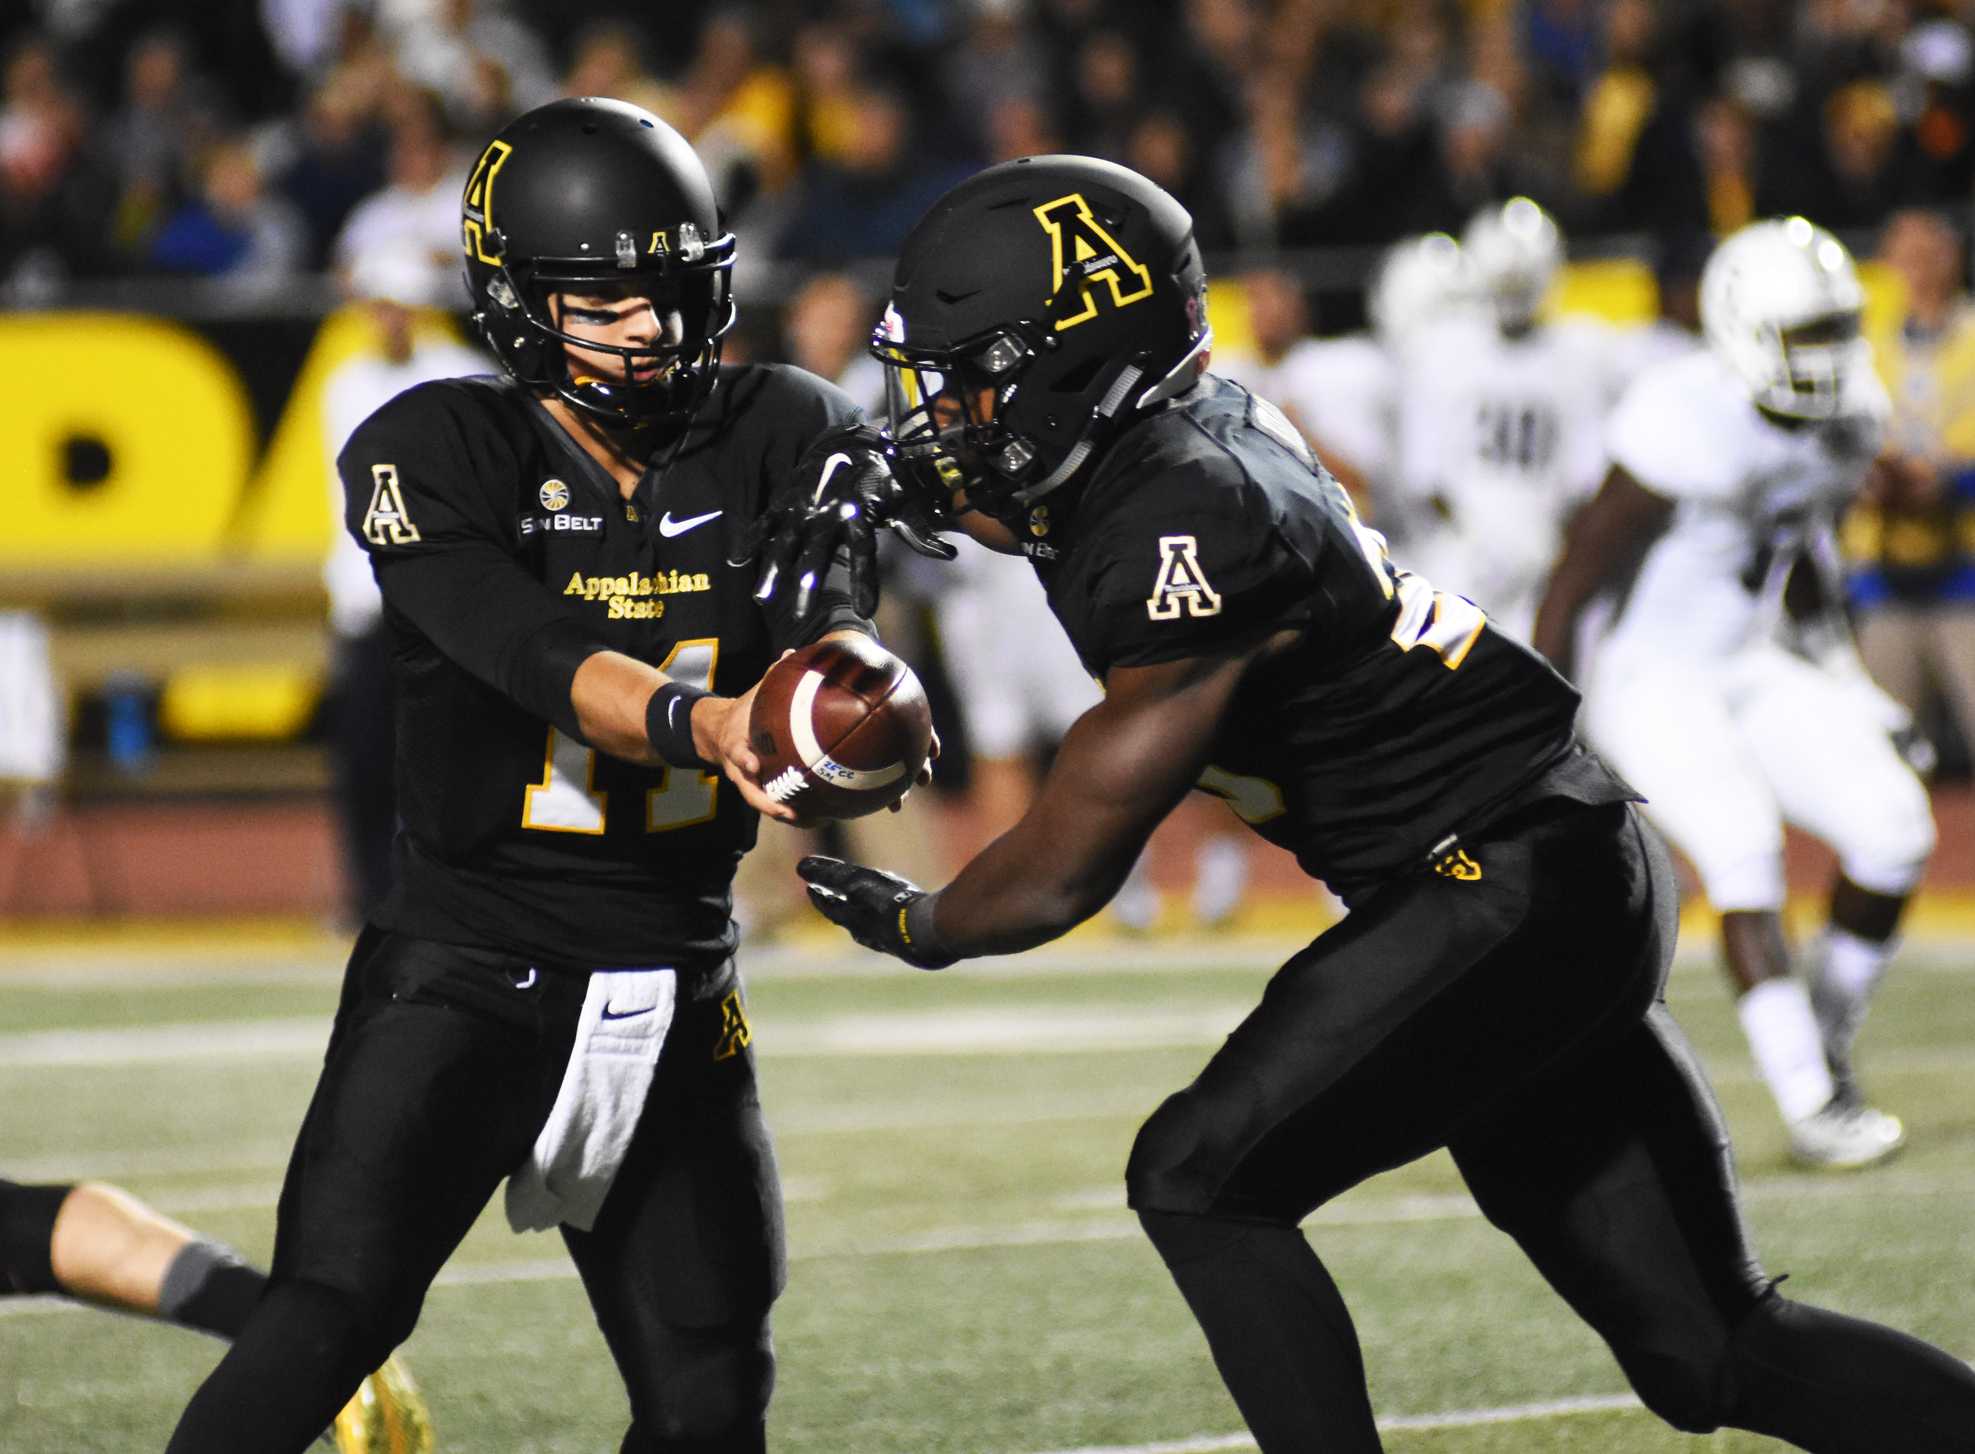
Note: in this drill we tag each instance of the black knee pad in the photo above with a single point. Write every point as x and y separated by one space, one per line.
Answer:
27 1236
703 1389
1172 1165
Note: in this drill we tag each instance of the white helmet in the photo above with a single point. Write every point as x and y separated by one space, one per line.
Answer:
1418 279
1513 253
1780 303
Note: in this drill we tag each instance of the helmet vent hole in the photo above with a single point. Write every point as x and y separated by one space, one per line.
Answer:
1078 378
645 121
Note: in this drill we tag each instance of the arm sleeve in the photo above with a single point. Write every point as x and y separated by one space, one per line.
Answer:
1210 572
422 494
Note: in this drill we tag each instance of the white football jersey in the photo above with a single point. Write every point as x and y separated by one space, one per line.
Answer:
1751 497
1508 433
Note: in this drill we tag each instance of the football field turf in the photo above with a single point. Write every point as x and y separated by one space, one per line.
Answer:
965 1276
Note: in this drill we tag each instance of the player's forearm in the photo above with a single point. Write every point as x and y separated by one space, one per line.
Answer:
609 694
1024 889
1120 770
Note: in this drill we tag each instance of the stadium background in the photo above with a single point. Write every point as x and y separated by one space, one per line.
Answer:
174 178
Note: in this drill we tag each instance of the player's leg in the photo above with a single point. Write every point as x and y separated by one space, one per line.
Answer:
1375 1045
1670 731
1826 747
441 1069
687 1254
1615 1176
100 1244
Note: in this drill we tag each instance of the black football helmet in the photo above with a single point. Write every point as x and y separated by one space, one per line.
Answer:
591 193
1036 309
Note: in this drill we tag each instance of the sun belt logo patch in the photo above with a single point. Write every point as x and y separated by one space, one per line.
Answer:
387 522
1084 254
555 495
1181 582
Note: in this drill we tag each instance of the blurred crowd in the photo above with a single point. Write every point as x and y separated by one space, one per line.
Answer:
253 140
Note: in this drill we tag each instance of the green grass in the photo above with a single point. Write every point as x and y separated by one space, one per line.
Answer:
966 1279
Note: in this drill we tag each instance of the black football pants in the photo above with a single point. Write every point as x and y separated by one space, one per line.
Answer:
1513 1018
442 1067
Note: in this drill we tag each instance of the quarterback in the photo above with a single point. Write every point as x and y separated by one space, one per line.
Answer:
574 794
1725 682
1495 988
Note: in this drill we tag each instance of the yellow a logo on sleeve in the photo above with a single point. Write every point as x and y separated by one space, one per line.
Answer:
387 522
1181 582
1083 253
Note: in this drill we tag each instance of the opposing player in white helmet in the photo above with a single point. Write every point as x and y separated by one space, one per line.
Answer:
1725 685
1342 391
1501 416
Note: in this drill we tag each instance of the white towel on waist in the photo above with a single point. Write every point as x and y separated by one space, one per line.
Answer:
581 1145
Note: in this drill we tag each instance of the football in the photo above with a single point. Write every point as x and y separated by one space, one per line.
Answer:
842 729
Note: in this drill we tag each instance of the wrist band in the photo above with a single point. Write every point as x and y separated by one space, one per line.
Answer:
669 724
923 945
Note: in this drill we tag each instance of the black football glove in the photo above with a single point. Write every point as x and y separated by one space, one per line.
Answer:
873 906
842 490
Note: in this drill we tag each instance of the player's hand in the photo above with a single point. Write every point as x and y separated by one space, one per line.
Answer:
925 777
841 492
871 904
720 736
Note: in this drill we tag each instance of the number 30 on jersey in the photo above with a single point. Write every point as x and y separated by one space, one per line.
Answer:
567 799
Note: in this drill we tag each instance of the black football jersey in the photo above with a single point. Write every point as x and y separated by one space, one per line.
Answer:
506 556
1399 717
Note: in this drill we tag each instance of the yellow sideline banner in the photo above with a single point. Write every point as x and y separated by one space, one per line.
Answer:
133 441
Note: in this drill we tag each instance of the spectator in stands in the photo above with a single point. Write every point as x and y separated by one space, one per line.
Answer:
419 208
233 230
1107 95
862 205
607 58
335 156
169 116
483 63
740 111
1913 539
1637 166
394 285
57 196
827 329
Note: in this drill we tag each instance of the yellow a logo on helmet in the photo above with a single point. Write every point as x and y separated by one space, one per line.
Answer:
1084 254
477 208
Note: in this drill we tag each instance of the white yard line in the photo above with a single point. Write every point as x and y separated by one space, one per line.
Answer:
1556 1408
1037 1027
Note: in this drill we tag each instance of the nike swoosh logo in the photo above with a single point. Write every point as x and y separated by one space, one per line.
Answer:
830 466
610 1014
668 527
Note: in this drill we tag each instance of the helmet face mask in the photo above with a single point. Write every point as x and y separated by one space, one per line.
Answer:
948 413
1781 305
1036 310
598 199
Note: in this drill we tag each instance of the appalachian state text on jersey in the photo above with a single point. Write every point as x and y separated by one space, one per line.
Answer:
506 556
1399 716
